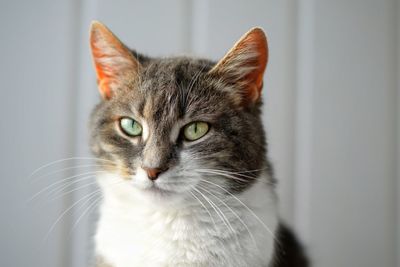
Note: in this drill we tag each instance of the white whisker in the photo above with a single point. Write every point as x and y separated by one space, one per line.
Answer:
61 181
87 197
66 159
221 174
87 210
219 212
229 173
209 213
234 213
250 210
73 190
71 168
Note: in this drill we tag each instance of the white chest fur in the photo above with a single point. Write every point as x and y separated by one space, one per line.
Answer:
235 232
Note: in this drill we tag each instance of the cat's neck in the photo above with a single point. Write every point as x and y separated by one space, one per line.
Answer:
127 231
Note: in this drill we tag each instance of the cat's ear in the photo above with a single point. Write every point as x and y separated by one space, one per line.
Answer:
112 59
244 65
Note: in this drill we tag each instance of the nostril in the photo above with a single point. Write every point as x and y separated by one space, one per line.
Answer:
153 173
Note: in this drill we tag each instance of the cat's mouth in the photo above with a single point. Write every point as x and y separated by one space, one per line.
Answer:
155 189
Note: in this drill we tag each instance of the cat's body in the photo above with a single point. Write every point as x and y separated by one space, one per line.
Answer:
186 179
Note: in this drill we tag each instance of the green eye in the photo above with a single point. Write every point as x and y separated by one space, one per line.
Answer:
195 130
130 127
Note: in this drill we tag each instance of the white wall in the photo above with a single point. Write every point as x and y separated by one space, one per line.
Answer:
37 88
331 113
352 125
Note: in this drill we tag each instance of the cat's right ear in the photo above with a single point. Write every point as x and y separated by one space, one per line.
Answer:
112 59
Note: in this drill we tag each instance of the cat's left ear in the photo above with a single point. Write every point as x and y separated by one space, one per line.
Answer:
244 66
112 59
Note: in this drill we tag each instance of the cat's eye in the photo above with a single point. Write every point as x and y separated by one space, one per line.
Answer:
130 127
195 130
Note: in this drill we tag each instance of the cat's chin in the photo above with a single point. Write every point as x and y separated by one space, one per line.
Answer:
158 191
157 195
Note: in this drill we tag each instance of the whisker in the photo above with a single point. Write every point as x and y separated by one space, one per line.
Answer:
204 206
248 171
87 197
65 184
86 211
229 173
61 181
232 176
66 159
219 212
71 168
206 157
250 210
221 174
214 190
234 213
209 213
73 190
92 206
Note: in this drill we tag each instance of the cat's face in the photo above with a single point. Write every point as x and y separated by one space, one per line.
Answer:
179 126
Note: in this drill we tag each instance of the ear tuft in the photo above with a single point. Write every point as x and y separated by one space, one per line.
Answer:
111 58
245 64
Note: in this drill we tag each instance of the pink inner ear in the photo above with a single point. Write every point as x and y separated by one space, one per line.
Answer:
104 75
245 64
257 41
103 83
111 59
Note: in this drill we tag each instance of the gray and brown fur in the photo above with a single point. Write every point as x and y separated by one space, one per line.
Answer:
165 91
170 89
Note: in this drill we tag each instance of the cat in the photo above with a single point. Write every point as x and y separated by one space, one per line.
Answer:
185 176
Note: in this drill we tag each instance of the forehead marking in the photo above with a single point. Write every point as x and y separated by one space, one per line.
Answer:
175 130
146 130
148 108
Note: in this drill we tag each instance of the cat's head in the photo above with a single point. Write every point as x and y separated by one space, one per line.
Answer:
174 127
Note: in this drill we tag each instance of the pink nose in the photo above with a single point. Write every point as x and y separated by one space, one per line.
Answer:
153 173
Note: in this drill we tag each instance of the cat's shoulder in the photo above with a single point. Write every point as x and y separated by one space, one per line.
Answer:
288 251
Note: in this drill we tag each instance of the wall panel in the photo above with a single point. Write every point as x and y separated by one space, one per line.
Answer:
352 169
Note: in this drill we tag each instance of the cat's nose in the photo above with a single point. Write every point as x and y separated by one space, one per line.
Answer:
153 173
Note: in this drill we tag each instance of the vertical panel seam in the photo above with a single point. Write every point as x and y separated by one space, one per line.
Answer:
303 120
73 75
87 10
397 134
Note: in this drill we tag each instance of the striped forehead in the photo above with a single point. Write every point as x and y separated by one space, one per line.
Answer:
161 114
161 107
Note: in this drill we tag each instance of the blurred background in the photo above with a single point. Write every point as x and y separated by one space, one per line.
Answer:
332 113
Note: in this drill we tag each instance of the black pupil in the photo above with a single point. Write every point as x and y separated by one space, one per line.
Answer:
195 127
